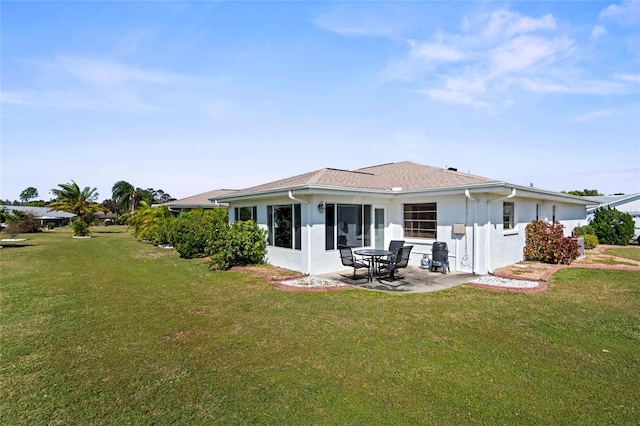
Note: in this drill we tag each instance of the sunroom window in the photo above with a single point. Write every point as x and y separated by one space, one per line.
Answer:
347 224
285 226
246 213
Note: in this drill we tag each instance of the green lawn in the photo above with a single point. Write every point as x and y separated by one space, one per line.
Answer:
627 252
112 331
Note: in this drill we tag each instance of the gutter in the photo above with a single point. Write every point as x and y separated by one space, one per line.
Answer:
308 231
488 245
475 230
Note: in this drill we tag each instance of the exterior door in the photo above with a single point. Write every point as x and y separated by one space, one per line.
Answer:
378 227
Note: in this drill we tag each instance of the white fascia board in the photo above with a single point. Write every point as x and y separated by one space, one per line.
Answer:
502 188
195 206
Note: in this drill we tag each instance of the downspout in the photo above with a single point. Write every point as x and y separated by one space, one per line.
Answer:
308 231
513 194
475 230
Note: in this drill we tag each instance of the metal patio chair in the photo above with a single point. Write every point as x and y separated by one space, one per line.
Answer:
348 259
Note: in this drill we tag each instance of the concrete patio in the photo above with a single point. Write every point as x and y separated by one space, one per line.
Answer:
411 279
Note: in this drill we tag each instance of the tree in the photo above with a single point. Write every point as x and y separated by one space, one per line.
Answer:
145 195
124 195
161 197
70 198
586 193
612 226
28 194
150 224
109 205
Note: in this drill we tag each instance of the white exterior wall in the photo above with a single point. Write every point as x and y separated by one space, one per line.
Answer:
484 246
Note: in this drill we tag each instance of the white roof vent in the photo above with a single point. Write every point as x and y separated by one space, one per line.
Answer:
396 189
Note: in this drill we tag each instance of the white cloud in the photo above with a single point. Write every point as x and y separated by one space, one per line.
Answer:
625 13
632 78
590 116
90 84
435 52
501 55
105 73
576 86
504 23
598 31
466 90
524 52
338 21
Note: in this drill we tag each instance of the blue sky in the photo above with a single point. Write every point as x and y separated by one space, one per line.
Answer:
189 97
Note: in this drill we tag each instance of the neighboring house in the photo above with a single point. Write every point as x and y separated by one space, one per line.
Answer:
44 214
482 220
625 203
105 217
206 200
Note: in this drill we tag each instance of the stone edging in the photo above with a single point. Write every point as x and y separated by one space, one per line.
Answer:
277 282
542 286
544 279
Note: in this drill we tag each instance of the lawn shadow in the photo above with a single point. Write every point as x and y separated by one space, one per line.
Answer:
5 246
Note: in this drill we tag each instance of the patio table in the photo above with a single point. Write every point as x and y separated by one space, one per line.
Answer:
374 255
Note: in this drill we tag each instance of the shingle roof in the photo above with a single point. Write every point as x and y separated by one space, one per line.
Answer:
409 175
203 199
41 212
406 175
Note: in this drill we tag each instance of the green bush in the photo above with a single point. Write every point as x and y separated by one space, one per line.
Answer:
193 232
612 226
80 228
150 224
590 241
545 242
243 243
580 231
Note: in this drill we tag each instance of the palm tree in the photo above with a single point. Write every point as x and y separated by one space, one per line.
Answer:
69 198
147 223
124 195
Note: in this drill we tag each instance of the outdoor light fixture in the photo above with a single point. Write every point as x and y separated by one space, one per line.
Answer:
321 207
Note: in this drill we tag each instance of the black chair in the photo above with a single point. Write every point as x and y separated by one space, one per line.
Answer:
394 245
400 260
348 259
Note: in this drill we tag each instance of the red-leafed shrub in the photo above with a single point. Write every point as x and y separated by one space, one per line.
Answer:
546 243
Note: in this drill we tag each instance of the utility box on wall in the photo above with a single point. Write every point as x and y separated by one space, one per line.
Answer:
459 228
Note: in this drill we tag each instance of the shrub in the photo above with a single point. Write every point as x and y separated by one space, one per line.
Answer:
580 231
193 232
545 242
243 243
80 228
150 224
612 226
21 222
590 241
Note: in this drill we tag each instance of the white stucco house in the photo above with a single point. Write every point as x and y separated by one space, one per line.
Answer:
482 220
629 203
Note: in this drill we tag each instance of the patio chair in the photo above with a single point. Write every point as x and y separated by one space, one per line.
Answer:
400 260
394 245
348 259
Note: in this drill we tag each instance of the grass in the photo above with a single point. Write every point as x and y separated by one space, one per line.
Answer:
112 331
626 252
